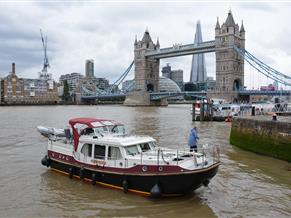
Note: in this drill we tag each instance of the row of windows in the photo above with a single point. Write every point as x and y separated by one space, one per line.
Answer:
39 89
100 152
113 153
224 55
140 45
235 68
9 92
223 39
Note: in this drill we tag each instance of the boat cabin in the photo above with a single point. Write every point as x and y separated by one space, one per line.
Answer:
92 147
112 150
226 110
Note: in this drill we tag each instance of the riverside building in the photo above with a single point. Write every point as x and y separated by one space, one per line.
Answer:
72 79
17 90
175 75
89 68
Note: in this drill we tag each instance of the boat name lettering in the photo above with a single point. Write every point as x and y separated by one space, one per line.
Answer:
98 162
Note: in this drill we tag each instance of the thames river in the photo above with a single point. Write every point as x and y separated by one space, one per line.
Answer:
247 185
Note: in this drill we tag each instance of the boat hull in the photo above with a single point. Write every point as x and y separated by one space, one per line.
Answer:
153 185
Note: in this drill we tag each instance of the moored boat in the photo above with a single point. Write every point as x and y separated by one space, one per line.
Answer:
101 153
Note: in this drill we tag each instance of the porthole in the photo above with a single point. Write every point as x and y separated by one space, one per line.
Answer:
144 168
161 169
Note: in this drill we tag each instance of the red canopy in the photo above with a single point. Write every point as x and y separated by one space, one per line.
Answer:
90 122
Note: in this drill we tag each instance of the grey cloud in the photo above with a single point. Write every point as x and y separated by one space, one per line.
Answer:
282 40
10 31
258 6
106 32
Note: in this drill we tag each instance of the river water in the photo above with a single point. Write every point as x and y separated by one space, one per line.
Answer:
247 185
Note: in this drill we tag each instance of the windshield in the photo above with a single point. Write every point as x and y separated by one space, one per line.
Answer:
147 146
102 130
152 145
118 129
132 150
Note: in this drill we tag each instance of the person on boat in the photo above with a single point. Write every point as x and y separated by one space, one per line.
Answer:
192 140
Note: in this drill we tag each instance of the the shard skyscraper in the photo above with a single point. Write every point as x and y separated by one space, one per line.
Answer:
198 68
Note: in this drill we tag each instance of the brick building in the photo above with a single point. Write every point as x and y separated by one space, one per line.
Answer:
15 90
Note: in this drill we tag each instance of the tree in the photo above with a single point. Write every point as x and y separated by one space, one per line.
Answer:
66 94
190 87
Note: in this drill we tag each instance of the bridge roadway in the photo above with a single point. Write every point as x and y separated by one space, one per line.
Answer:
259 92
153 96
181 50
160 95
200 94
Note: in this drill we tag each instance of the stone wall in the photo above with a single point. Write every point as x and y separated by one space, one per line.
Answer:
139 98
271 138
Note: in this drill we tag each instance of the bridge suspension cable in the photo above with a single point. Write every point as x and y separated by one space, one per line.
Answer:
263 68
107 92
98 91
122 77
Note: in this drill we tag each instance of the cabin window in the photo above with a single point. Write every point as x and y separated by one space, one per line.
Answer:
114 153
87 131
118 129
87 150
152 145
145 147
100 130
131 150
99 152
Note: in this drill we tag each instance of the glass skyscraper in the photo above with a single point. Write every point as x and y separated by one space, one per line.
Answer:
198 68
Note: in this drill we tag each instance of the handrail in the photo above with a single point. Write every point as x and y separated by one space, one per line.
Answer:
162 154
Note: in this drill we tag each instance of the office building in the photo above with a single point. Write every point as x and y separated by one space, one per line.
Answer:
72 79
175 75
89 68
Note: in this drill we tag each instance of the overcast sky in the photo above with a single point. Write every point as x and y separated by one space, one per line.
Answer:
105 32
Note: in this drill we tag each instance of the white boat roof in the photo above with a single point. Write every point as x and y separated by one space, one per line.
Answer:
117 140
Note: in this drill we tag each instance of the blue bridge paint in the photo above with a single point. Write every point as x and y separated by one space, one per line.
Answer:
198 94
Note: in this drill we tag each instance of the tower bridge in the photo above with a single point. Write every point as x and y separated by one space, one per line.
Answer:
230 53
229 65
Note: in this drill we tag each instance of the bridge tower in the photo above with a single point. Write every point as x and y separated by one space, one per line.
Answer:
229 64
146 73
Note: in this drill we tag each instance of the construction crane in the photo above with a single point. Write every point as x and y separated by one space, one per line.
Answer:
44 44
44 74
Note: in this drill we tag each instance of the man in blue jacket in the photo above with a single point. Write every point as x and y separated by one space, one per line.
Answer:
192 140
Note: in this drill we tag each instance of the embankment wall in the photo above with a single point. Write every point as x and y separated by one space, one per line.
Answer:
263 136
